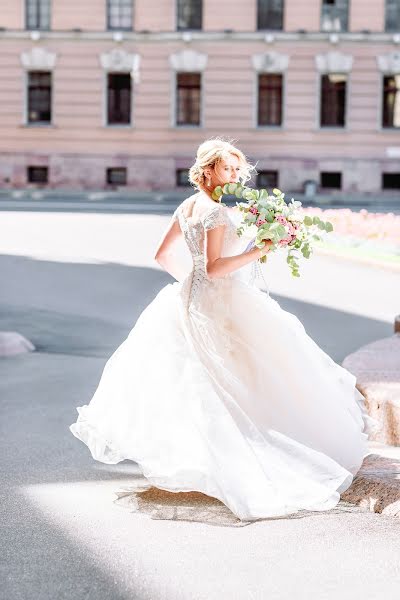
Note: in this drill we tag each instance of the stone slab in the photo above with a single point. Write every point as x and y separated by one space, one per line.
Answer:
376 487
377 369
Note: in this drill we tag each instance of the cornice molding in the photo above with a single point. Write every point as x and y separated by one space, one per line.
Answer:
334 62
208 36
270 62
118 59
188 61
38 58
389 63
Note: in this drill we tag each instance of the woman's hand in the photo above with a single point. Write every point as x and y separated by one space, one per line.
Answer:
266 248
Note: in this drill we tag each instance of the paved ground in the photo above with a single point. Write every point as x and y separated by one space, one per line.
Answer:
74 284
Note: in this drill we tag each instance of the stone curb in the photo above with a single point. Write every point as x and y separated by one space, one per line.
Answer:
376 367
376 487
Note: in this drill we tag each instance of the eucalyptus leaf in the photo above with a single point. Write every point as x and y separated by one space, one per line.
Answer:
308 221
328 227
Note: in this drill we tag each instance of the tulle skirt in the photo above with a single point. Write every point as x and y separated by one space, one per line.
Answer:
230 397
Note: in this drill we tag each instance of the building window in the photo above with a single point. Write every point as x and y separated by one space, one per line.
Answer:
269 14
333 100
331 180
391 181
188 93
182 178
119 98
38 175
392 17
267 179
37 14
119 14
391 101
39 97
334 15
270 100
116 176
189 14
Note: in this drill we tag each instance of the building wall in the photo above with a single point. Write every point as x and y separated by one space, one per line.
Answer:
78 146
367 15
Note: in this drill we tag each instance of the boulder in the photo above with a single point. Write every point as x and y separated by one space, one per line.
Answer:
377 369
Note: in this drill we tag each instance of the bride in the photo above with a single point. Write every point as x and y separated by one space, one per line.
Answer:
219 390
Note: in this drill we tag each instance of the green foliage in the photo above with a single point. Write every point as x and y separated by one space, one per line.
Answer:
272 230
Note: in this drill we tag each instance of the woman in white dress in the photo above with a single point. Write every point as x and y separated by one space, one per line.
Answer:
219 390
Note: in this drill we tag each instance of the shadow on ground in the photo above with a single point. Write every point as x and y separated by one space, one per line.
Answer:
76 315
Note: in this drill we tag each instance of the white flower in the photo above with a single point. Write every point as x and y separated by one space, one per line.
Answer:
250 232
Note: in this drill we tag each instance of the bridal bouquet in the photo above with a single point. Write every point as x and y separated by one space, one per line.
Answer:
269 217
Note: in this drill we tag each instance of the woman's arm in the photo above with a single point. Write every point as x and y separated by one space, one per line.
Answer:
165 255
218 266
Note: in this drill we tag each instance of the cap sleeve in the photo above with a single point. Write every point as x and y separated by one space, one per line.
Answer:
215 217
175 214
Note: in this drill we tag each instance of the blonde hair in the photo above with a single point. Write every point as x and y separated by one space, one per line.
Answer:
210 153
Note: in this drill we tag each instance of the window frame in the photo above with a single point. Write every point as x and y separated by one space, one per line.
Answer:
41 183
381 104
335 128
181 186
335 30
26 12
257 26
108 24
397 28
340 173
107 173
387 189
105 102
27 122
256 101
174 103
259 185
177 28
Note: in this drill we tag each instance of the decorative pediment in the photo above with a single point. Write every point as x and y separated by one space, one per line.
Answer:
38 59
188 60
270 62
120 60
389 63
334 62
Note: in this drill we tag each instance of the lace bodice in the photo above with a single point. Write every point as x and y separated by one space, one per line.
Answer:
194 229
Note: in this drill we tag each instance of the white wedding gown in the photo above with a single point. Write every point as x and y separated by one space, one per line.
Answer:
219 390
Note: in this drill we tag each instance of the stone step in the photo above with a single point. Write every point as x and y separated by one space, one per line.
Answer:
377 369
376 487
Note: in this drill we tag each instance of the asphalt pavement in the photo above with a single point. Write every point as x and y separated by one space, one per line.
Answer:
75 284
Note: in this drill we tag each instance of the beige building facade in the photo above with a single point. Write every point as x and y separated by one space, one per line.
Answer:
107 93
